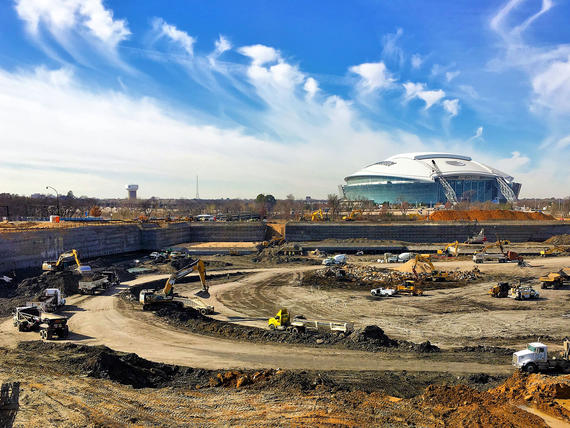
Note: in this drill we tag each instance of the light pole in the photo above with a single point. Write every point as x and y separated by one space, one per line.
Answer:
56 197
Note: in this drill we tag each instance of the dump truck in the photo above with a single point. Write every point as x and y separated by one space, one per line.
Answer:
521 292
500 290
383 292
50 300
98 283
479 238
28 318
555 280
299 324
534 359
339 259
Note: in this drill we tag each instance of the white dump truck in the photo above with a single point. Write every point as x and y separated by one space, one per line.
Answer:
50 300
535 359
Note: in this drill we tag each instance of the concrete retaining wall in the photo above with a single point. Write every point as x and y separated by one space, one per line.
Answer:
28 249
424 232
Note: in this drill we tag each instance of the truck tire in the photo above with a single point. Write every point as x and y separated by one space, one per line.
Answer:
22 327
43 334
530 368
64 332
203 311
271 326
373 292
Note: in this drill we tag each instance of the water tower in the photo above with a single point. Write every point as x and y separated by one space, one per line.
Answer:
132 190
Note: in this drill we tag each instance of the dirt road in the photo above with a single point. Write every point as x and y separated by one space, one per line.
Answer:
109 321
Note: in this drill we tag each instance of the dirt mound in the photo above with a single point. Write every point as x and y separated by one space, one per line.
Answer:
540 391
371 338
463 406
558 240
484 215
238 379
420 267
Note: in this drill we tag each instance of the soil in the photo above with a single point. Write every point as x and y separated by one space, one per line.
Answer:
485 215
558 240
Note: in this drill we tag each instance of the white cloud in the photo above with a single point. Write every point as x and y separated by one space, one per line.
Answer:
451 106
311 87
515 162
450 75
478 134
260 54
417 90
222 45
183 39
391 49
416 61
374 75
552 87
88 16
563 142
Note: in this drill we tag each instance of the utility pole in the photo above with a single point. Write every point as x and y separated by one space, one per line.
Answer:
56 197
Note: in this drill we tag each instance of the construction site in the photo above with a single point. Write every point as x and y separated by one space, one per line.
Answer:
350 323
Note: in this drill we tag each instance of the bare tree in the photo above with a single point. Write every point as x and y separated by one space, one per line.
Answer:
334 204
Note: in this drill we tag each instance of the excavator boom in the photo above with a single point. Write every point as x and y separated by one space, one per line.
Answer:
197 265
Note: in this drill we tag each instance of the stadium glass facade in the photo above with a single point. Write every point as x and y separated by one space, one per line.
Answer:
395 189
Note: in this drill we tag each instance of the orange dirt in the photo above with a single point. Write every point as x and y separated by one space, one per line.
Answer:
408 267
483 215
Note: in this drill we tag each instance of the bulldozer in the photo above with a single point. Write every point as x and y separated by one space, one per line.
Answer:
410 287
500 290
150 297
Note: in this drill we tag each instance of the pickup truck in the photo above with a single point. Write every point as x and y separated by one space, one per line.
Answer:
383 292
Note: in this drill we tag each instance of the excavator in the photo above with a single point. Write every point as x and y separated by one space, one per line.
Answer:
552 251
62 263
317 215
436 275
450 250
351 216
503 257
150 297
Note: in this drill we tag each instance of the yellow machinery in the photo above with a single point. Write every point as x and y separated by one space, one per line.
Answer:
279 321
554 279
409 287
551 251
317 215
149 297
500 290
62 263
436 275
450 249
352 215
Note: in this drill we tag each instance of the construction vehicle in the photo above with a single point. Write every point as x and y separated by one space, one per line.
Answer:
317 215
502 257
534 359
436 275
388 258
50 300
300 324
91 284
28 318
555 280
63 262
450 250
351 216
410 287
339 259
554 251
500 290
150 297
479 238
383 292
522 292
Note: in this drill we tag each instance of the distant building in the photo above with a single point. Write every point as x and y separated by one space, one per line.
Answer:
132 191
413 177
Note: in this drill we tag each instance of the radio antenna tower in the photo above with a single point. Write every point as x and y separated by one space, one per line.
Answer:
197 192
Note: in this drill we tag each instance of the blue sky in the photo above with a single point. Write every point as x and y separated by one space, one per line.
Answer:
277 97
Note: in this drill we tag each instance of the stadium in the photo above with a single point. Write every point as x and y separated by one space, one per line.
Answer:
430 178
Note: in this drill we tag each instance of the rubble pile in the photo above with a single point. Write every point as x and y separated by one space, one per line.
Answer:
558 240
356 276
284 253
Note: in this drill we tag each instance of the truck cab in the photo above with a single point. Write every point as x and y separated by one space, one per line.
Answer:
529 358
280 320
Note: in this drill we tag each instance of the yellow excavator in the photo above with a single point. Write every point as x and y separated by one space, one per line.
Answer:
552 251
151 297
352 215
317 215
450 250
63 261
436 275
